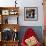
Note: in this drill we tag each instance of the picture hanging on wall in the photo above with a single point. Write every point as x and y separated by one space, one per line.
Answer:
30 13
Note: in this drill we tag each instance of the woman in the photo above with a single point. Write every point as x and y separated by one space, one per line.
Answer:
30 38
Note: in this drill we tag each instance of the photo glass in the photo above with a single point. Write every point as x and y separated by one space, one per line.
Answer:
31 13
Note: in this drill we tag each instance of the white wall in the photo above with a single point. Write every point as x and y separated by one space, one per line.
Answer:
32 3
26 3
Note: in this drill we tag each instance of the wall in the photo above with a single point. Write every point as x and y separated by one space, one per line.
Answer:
26 3
31 3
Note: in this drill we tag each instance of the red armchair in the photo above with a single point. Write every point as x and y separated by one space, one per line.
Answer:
28 34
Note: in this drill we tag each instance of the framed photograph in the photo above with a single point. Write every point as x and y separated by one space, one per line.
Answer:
30 13
5 12
13 20
5 20
10 20
12 12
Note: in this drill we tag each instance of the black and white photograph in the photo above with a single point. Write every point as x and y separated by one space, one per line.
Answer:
30 13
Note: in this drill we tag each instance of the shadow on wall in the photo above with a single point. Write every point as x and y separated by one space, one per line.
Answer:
37 29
